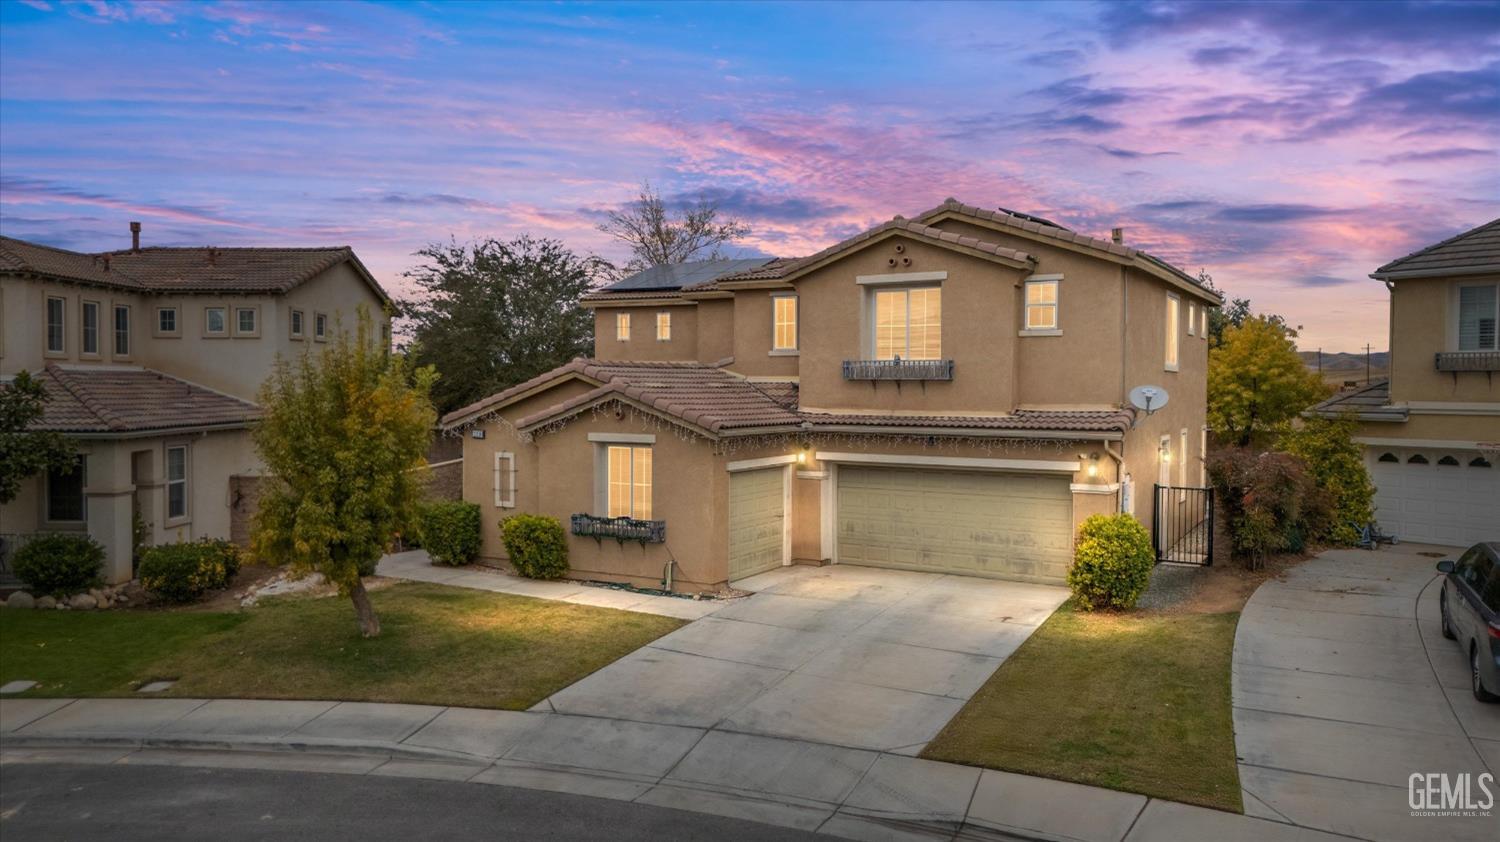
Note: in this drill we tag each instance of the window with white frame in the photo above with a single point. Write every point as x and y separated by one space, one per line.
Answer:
664 326
166 320
505 480
783 322
245 319
629 481
1173 329
55 324
122 330
177 482
1478 315
1182 451
89 328
1192 318
1041 305
1203 323
296 324
320 327
215 321
1164 461
909 323
622 327
65 500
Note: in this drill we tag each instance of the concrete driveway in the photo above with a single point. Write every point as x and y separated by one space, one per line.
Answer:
1344 687
846 656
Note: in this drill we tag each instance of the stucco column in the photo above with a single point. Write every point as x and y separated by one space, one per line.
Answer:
108 493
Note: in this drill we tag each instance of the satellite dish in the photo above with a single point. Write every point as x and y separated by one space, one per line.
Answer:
1148 398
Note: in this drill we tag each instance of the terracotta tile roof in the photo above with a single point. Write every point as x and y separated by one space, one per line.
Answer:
1471 252
633 295
182 270
1104 420
1372 403
466 413
118 399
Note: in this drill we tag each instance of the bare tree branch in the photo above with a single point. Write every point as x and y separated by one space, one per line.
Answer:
657 237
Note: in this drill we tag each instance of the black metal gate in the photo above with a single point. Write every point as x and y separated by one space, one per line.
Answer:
1183 527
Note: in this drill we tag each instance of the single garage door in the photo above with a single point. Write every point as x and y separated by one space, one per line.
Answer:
1436 496
757 519
1006 526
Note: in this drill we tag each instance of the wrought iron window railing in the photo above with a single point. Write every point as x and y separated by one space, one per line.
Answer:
620 528
1467 361
898 369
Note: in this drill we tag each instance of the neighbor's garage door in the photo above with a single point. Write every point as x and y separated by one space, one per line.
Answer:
1007 526
757 519
1436 496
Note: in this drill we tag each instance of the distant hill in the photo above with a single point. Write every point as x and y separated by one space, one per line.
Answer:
1379 361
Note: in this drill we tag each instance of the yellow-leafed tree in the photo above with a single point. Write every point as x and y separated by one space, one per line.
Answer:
1256 382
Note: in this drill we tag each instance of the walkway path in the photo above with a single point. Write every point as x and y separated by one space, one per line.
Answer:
1344 687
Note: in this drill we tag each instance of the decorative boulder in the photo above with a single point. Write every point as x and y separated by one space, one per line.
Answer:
20 599
82 600
47 602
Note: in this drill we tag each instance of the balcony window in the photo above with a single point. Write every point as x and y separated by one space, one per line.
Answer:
909 324
1478 316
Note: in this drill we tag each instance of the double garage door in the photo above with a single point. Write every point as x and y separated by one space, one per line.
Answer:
1435 496
1006 526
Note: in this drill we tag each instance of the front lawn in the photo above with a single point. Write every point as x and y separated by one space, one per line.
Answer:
1137 702
438 645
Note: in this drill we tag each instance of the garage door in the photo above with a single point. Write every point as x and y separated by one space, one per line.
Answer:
757 519
1436 496
1006 526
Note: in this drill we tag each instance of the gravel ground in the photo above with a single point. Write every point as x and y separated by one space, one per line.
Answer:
1171 585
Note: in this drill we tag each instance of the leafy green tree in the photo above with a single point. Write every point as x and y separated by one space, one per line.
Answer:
656 237
342 432
1256 381
1336 463
495 314
25 452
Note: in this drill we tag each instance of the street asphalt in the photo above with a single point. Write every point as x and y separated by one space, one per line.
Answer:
121 803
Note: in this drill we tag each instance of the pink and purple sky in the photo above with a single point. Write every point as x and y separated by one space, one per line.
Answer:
1288 148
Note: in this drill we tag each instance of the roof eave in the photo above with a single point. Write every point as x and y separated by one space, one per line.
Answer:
1396 275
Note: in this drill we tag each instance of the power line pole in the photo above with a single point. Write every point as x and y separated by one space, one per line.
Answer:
1367 363
1320 362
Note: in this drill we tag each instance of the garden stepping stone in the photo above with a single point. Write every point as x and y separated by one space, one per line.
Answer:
156 686
10 687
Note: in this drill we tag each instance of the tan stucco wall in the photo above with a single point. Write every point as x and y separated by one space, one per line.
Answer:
715 329
752 336
643 344
1424 322
1450 428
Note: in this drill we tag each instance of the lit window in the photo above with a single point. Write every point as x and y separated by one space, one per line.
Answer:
122 330
784 333
663 327
1173 328
55 307
1192 317
214 321
1041 305
505 480
177 482
1203 323
244 320
908 324
166 320
90 327
296 324
622 327
1478 314
630 482
65 502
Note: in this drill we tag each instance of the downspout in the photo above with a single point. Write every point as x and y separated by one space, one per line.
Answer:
1390 341
1124 390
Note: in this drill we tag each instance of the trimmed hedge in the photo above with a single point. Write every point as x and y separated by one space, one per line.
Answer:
537 545
59 564
185 572
450 531
1112 564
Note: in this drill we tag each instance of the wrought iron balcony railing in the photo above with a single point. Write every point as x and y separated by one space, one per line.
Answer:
898 370
620 528
1467 361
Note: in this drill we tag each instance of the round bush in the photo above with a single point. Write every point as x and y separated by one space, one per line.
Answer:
537 545
450 531
59 564
183 572
1112 563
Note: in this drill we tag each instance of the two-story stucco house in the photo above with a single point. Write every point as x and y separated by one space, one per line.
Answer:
1431 432
944 393
152 358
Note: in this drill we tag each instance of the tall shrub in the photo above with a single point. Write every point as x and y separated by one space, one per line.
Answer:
1112 564
537 545
1336 464
450 531
1270 503
59 564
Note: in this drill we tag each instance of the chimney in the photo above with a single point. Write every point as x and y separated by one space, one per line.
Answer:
212 256
135 238
1117 235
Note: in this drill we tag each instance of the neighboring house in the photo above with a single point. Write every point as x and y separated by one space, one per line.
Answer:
943 394
1431 432
152 358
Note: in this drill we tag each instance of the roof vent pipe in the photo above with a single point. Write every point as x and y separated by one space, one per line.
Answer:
1117 235
135 238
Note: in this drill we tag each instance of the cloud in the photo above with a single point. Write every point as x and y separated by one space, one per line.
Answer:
1131 154
1272 213
1219 56
21 191
1431 156
1321 281
756 204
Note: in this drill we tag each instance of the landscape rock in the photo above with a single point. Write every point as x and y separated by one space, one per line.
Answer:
20 599
97 594
82 600
47 602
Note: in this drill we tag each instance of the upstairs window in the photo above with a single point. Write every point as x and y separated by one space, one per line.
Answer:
296 324
630 482
320 326
245 321
1192 317
177 482
215 321
1478 316
166 320
1174 330
622 327
909 324
784 322
664 327
1041 305
55 308
90 327
122 330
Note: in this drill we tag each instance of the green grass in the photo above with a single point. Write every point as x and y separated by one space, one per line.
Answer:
1133 702
438 645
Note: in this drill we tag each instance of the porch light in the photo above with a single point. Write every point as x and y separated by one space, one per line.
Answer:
801 457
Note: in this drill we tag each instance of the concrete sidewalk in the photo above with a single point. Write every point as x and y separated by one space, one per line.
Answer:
1344 688
811 786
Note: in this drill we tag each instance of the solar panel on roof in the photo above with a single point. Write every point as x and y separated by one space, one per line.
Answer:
679 275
